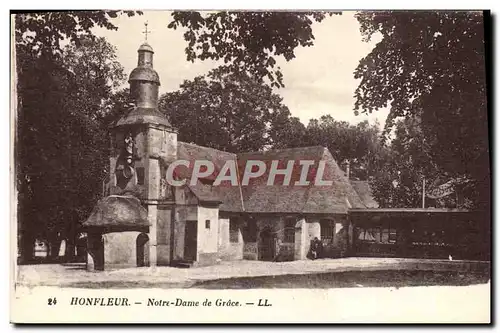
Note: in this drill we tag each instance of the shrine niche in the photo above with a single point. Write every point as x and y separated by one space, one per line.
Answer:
124 170
128 170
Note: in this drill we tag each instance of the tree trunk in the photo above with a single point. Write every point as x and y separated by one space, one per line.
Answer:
26 248
54 245
71 234
69 256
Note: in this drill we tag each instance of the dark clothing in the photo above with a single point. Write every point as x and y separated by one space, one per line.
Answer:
316 249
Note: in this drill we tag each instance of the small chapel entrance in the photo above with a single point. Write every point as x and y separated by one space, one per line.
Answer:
95 252
142 250
267 245
190 240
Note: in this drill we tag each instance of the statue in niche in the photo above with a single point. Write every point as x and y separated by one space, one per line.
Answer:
124 170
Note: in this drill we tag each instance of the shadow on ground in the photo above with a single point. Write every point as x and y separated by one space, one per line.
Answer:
353 279
385 279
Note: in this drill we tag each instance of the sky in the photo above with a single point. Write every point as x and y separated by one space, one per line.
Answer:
319 81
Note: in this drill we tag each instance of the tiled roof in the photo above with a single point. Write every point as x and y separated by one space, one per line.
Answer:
364 191
258 197
229 196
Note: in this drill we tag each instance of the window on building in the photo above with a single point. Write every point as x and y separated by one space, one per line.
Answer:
371 235
207 224
290 230
234 230
327 231
383 235
392 235
422 235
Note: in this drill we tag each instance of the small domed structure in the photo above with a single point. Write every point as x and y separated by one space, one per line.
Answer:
118 213
146 47
144 74
144 70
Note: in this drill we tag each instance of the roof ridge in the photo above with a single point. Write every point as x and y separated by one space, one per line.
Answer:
205 147
281 150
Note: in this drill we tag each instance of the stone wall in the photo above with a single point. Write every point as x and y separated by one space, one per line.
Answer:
301 240
286 252
162 144
229 250
250 251
208 233
163 235
120 249
179 238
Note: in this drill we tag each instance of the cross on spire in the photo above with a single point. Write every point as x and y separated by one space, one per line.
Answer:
146 31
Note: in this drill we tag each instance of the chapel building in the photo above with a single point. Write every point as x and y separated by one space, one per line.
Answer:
144 221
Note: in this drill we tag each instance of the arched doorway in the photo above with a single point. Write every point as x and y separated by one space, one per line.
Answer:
142 250
267 245
95 250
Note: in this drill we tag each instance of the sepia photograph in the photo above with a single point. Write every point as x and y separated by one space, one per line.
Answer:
251 166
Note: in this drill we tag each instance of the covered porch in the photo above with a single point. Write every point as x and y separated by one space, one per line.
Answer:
420 233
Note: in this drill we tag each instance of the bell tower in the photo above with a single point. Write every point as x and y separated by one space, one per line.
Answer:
143 144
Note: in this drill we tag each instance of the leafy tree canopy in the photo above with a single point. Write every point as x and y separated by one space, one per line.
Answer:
247 40
44 32
225 110
359 144
432 64
61 91
399 182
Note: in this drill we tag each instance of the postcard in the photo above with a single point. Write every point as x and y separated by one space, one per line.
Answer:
250 167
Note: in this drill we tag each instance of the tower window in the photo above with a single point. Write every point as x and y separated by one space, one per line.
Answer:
207 224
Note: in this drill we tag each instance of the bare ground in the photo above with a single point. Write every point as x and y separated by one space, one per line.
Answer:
324 273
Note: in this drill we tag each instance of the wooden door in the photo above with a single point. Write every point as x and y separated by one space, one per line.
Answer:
267 245
190 240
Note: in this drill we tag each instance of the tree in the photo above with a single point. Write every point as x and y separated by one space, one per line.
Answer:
226 110
96 73
43 32
61 142
399 182
287 132
359 144
432 64
41 140
247 40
